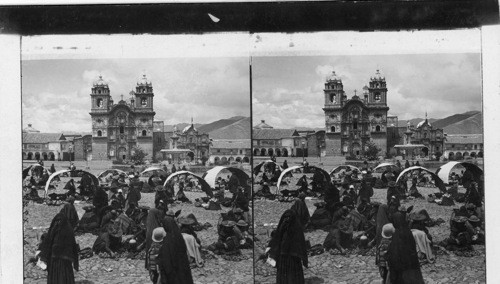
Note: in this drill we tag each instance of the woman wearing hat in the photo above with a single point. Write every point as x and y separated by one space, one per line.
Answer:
153 221
380 256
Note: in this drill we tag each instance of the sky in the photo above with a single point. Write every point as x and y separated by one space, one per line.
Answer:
56 92
288 90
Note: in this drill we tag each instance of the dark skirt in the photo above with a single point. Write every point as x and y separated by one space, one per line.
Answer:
60 271
409 276
289 270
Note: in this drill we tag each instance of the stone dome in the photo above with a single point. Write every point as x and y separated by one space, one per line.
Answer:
100 82
333 77
144 81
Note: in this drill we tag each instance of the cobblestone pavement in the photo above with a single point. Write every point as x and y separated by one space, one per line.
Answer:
334 268
121 270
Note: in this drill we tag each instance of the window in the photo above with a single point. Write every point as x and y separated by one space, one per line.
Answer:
377 128
99 104
99 91
333 98
333 116
475 147
218 150
425 134
452 145
144 102
377 97
355 125
144 132
99 133
332 129
122 130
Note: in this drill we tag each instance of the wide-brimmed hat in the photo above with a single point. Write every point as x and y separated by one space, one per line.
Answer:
88 207
185 221
228 223
474 219
115 231
158 234
459 219
120 190
470 206
242 223
391 184
351 186
418 217
131 176
388 230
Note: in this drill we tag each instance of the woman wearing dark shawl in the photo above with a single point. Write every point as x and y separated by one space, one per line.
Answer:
285 165
153 221
288 248
173 259
382 219
402 257
300 207
52 169
70 212
60 251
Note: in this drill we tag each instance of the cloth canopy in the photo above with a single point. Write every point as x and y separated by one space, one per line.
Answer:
438 181
78 172
343 167
151 169
257 169
312 168
211 175
444 171
113 171
382 165
204 185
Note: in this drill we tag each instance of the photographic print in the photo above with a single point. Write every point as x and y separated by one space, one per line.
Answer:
368 158
136 159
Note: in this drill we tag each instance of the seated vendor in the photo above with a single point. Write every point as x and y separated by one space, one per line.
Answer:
186 227
246 241
109 241
340 237
181 196
229 237
89 220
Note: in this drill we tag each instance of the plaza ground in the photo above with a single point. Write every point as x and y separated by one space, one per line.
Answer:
121 270
335 268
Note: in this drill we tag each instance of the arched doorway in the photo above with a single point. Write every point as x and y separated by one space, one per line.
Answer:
270 152
425 151
356 149
458 156
52 157
37 156
466 155
122 153
473 154
285 152
238 159
230 160
451 156
30 156
45 156
262 152
191 156
278 152
223 160
216 160
246 160
255 152
480 154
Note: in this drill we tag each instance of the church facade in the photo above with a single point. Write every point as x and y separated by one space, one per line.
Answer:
350 123
118 128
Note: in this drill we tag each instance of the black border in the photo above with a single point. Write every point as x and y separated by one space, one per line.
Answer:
248 17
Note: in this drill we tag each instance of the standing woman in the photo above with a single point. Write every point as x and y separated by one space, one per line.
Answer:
173 258
60 251
382 219
288 248
402 257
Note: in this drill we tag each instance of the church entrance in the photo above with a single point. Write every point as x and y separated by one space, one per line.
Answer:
122 153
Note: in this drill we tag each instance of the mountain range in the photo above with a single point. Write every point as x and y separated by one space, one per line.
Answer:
236 127
470 122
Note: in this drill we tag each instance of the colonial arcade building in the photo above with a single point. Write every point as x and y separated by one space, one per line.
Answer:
117 128
351 122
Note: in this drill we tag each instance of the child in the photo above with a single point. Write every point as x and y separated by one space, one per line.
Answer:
158 235
387 232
